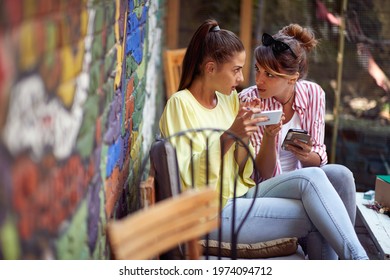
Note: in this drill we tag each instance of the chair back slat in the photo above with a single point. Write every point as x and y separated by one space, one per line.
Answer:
150 232
173 60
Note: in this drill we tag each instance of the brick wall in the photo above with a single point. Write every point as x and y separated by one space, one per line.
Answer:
80 92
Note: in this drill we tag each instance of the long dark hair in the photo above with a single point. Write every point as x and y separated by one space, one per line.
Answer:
208 42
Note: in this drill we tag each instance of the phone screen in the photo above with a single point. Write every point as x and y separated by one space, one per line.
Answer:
293 134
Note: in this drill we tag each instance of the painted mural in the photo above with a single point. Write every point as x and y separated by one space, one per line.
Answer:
73 129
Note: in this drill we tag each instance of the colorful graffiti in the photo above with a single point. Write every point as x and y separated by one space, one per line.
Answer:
72 90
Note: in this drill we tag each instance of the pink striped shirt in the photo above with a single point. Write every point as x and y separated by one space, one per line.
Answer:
309 103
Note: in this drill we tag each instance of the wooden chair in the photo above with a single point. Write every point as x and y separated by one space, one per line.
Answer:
173 60
177 220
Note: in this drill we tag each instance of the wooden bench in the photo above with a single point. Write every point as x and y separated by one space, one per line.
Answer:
377 225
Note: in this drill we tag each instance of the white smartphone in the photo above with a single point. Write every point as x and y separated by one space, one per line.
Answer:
273 117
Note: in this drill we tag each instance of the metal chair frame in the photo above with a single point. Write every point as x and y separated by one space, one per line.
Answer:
188 135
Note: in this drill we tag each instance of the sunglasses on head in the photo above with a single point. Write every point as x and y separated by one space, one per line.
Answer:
277 46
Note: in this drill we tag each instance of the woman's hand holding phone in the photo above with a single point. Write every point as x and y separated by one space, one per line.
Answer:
299 143
273 129
244 124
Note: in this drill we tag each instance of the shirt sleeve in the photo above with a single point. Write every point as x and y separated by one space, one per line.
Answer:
195 160
316 121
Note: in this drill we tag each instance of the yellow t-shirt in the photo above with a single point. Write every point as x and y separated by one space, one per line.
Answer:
183 112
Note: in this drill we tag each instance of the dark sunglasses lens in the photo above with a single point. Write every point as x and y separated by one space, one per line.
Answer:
280 46
267 39
277 46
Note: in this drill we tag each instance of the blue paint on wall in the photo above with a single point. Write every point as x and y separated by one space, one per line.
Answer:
117 154
136 34
114 152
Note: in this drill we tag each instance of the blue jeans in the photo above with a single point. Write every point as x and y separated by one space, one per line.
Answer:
301 203
344 183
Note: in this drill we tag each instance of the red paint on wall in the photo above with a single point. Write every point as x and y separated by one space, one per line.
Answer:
45 195
114 186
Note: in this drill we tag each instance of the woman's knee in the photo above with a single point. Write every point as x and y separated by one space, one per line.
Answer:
340 175
313 173
338 170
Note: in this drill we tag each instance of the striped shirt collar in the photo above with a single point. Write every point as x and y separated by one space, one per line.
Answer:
301 95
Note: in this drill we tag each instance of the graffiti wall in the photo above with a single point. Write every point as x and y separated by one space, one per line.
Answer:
79 84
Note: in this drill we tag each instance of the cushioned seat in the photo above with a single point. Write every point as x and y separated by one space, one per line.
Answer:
274 248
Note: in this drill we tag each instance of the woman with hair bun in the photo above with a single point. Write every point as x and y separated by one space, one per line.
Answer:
281 71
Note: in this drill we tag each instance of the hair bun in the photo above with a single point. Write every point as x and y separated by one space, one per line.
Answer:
304 35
